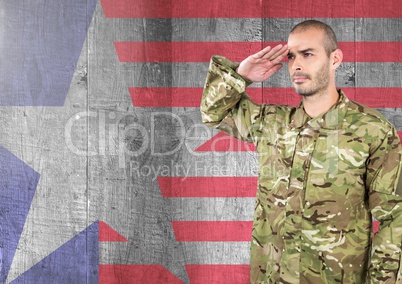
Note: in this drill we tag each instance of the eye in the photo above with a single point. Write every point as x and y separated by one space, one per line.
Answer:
307 54
290 56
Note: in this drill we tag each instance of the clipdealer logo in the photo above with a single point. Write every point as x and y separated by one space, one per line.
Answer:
121 134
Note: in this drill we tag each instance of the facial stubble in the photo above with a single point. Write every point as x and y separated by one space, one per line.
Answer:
318 83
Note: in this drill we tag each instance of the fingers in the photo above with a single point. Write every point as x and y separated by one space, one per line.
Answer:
263 52
261 65
272 70
276 53
280 54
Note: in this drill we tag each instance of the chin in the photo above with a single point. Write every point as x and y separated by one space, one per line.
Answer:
304 93
307 94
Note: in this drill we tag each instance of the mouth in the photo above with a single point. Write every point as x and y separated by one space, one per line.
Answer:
300 78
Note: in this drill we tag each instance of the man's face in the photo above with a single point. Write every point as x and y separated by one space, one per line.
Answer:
308 62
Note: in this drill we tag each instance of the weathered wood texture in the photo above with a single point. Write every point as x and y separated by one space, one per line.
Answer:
99 156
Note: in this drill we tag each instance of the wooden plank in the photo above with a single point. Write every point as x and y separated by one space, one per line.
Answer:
253 9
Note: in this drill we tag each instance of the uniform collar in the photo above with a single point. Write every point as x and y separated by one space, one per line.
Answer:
332 119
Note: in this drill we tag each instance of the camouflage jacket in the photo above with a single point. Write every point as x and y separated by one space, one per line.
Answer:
321 181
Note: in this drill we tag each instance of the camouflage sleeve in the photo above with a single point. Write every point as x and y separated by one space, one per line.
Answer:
385 202
224 104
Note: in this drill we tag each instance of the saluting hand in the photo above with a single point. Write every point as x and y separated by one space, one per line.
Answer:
261 65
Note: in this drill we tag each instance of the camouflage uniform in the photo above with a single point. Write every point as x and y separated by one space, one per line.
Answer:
321 181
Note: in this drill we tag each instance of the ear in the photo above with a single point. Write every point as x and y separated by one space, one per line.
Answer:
336 58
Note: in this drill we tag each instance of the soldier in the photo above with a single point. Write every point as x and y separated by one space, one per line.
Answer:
326 167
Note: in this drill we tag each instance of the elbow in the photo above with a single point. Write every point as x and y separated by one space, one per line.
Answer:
209 119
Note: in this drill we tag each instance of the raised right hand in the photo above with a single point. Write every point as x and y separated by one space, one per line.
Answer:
261 65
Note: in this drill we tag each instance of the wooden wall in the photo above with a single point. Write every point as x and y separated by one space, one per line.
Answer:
106 172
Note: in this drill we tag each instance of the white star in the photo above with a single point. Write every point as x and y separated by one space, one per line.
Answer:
77 150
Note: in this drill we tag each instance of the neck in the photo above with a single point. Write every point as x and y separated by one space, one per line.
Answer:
320 103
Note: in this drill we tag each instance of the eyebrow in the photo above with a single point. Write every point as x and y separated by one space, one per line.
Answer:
302 51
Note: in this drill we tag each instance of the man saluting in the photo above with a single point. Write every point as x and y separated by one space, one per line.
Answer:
326 167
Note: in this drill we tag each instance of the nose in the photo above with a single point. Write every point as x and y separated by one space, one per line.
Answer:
296 64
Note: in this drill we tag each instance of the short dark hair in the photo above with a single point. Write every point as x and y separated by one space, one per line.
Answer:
330 42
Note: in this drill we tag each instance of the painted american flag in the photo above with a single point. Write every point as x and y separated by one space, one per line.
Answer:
107 174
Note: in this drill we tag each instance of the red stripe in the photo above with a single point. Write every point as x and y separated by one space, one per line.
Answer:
376 97
223 142
218 273
183 51
166 97
133 273
191 97
208 186
400 135
181 9
237 51
371 51
251 9
177 97
333 9
212 231
108 234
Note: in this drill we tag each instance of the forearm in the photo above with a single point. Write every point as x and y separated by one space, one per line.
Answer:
223 90
225 105
386 247
385 201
